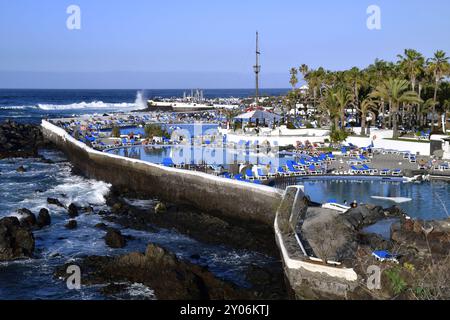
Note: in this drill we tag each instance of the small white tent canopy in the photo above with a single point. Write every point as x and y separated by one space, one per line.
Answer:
258 115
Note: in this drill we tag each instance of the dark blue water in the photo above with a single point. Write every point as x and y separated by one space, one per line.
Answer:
27 105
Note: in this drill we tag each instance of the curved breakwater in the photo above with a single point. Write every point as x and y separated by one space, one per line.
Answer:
223 197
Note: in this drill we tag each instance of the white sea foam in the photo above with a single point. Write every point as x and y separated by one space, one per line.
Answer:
138 104
16 107
140 290
87 105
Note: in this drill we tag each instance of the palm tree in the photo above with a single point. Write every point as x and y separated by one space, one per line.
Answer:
366 106
411 64
330 106
355 79
439 67
395 91
304 69
344 98
425 111
293 81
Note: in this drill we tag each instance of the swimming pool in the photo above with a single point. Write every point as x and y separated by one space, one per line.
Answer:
429 200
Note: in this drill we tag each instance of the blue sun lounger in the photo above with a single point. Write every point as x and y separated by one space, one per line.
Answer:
168 162
282 172
312 169
249 174
291 170
355 170
383 255
227 175
261 175
371 170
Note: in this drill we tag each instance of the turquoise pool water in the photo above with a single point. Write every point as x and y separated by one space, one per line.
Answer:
429 200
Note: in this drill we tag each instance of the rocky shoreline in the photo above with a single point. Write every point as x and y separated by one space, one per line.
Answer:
160 270
20 140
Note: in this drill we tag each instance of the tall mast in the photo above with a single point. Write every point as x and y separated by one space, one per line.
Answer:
257 69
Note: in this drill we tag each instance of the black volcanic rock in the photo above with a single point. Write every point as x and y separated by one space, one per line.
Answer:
16 241
114 238
27 218
19 140
43 218
55 202
73 210
21 169
160 270
72 224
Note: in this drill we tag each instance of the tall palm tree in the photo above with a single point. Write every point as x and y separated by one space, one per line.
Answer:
294 80
293 99
355 80
343 97
396 92
304 69
411 64
425 111
439 67
330 106
366 106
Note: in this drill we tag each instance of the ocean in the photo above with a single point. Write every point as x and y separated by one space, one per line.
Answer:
26 105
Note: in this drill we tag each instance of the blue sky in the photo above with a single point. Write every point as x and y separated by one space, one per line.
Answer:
199 43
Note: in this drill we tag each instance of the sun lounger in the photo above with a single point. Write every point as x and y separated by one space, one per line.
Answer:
168 162
250 175
371 170
364 159
396 172
312 169
355 170
227 175
282 172
261 175
272 172
382 255
291 169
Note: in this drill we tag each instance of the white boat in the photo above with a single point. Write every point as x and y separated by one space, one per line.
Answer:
336 206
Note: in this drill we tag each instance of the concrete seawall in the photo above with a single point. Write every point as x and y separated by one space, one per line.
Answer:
218 196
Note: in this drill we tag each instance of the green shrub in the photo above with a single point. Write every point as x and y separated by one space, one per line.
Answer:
154 130
398 285
309 125
338 135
